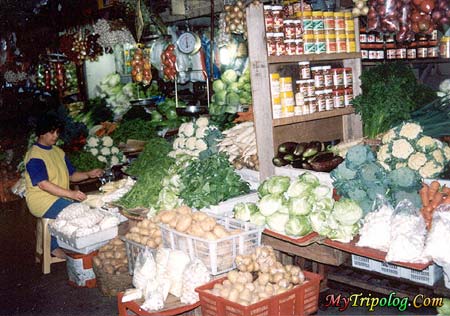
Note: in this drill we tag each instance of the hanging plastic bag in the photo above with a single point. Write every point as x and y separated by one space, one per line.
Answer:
405 33
383 16
376 230
408 231
194 275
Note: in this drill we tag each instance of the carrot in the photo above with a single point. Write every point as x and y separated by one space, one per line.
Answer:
424 195
433 189
437 199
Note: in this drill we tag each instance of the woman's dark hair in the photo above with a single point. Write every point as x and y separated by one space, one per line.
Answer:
48 122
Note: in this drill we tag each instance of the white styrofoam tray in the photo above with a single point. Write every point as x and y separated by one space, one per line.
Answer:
86 241
83 251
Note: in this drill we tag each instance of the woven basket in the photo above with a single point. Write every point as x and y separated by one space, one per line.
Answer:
111 284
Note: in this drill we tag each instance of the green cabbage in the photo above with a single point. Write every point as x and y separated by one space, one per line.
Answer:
243 211
219 85
270 203
229 76
277 221
298 226
347 212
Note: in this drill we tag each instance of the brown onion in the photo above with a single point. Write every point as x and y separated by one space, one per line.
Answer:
427 6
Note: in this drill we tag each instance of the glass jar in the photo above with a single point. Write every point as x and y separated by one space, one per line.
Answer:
299 47
271 44
422 52
317 75
289 29
411 51
268 18
311 88
330 43
309 44
444 47
339 21
341 43
371 38
291 47
320 43
338 97
349 23
328 21
275 84
277 12
338 77
297 7
299 99
362 36
303 70
351 43
285 84
400 53
298 29
348 96
329 102
391 51
280 49
307 22
348 77
287 103
312 105
327 77
433 52
276 107
320 99
317 21
305 107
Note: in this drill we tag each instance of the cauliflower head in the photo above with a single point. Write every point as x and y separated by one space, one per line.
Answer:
410 130
189 130
384 153
430 170
438 156
201 145
426 144
401 148
389 136
446 150
191 143
417 160
202 122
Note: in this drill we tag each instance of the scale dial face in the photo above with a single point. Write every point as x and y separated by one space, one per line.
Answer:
187 43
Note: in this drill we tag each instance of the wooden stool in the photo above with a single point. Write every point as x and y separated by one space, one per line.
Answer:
43 241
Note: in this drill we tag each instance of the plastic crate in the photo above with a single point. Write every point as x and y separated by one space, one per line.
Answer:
133 250
217 255
85 241
300 300
427 276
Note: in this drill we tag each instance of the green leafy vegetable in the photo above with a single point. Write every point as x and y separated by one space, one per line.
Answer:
133 129
84 161
210 181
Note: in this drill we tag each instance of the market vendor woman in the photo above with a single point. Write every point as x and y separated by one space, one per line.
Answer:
48 175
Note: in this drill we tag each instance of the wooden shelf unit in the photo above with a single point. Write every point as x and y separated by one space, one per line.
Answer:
341 124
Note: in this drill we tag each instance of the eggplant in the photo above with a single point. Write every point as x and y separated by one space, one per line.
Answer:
279 162
322 157
297 163
289 157
310 152
326 166
317 145
300 149
287 147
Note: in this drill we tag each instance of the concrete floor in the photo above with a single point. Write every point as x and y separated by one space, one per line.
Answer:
24 290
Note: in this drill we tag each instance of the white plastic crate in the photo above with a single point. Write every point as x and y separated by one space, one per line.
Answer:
217 255
133 250
85 250
427 276
85 241
225 208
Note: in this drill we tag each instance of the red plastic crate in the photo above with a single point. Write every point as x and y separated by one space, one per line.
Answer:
300 300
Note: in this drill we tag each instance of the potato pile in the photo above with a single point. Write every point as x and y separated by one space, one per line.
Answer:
112 257
146 232
240 287
197 224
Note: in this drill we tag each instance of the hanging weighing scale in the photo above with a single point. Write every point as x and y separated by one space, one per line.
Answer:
189 42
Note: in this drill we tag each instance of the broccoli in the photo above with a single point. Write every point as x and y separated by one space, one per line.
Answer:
357 155
404 179
413 196
371 172
342 173
376 189
357 195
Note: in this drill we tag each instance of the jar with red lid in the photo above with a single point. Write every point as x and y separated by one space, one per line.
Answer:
348 96
348 77
338 77
277 13
338 97
268 18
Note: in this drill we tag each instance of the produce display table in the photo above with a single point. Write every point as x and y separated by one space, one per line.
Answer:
173 306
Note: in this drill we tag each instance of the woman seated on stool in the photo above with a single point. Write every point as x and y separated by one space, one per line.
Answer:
48 175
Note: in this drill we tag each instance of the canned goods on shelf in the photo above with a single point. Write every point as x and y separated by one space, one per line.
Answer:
303 70
348 77
280 49
339 21
330 43
348 96
338 97
289 29
444 47
277 13
285 84
268 18
328 20
290 47
320 44
309 44
317 75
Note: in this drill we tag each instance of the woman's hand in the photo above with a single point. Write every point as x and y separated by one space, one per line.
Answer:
95 173
77 195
